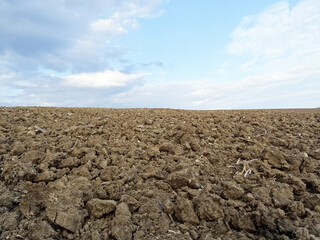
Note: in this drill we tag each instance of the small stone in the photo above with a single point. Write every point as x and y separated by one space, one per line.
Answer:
40 130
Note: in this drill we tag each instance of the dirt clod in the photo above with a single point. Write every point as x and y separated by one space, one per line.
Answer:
121 224
184 211
98 207
143 174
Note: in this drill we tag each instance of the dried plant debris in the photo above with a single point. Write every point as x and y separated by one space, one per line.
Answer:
247 170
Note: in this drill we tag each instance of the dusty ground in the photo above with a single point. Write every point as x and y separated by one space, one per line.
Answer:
70 173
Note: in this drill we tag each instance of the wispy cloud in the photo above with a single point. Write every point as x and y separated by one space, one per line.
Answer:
64 44
113 28
101 79
280 52
53 34
279 33
58 57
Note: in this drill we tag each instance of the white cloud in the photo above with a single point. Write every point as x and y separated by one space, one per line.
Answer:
5 77
279 49
104 79
67 35
279 32
50 39
108 26
113 27
277 90
283 70
139 8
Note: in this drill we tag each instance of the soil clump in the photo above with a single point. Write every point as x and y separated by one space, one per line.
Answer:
121 174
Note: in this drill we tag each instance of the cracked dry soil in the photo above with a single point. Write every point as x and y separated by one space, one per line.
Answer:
75 173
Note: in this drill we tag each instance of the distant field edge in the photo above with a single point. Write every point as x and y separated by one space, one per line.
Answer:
314 110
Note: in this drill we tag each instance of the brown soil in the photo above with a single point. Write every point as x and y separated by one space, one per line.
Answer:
123 174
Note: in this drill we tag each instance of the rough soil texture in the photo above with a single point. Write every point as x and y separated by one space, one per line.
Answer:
126 174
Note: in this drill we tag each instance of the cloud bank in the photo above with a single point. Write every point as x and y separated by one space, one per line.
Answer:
101 79
278 50
63 53
74 36
59 44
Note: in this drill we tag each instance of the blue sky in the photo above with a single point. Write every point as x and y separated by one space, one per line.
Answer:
159 53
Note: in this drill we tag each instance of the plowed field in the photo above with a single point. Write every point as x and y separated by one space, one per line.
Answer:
74 173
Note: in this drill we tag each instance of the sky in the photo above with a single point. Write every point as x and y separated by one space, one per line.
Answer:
181 54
